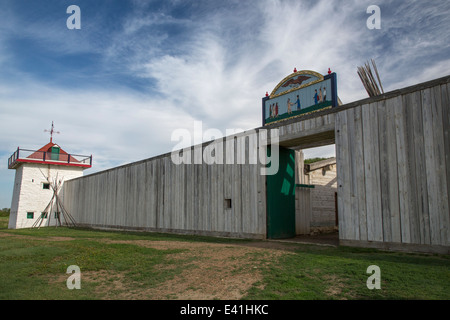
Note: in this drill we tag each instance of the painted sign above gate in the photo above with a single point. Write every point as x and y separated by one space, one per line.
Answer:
298 94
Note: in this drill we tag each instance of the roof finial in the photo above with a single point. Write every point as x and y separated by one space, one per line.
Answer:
52 131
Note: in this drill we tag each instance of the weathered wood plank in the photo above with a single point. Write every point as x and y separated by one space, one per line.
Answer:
120 212
180 196
125 198
445 90
206 191
236 195
161 192
339 171
440 163
372 172
430 165
245 196
111 178
253 199
353 167
412 102
384 141
140 195
403 169
253 183
303 212
167 193
220 203
342 150
190 195
261 185
130 198
151 195
145 195
392 171
203 197
420 169
319 164
358 156
227 183
209 198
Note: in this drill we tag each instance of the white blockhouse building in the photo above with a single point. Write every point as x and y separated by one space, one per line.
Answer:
37 171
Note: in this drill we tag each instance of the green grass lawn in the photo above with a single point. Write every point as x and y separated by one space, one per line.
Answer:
331 273
33 265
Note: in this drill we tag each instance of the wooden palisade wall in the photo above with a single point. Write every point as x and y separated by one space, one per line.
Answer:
393 178
393 162
158 195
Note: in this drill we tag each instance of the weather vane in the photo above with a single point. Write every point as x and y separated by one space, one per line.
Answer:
52 131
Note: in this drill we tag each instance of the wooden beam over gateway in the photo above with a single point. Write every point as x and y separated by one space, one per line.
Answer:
310 131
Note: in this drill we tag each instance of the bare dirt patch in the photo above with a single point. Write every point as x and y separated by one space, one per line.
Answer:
215 271
5 234
212 271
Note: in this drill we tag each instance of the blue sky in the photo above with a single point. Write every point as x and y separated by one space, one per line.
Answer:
137 70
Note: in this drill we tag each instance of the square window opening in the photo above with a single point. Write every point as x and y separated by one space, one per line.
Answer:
227 203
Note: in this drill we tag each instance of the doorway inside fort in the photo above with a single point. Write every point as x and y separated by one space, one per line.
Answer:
302 196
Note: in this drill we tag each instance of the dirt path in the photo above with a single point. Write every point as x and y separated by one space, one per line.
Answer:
217 271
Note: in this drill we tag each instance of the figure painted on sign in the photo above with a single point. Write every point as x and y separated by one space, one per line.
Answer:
324 94
298 102
289 105
276 109
320 95
271 111
316 97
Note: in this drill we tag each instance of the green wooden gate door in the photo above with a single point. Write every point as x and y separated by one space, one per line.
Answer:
281 197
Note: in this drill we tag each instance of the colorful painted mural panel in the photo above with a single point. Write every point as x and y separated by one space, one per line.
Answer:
298 94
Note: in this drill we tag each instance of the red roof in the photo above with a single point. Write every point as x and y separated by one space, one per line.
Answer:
48 155
46 150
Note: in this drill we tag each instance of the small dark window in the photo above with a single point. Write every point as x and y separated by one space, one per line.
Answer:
30 215
44 215
46 186
227 203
